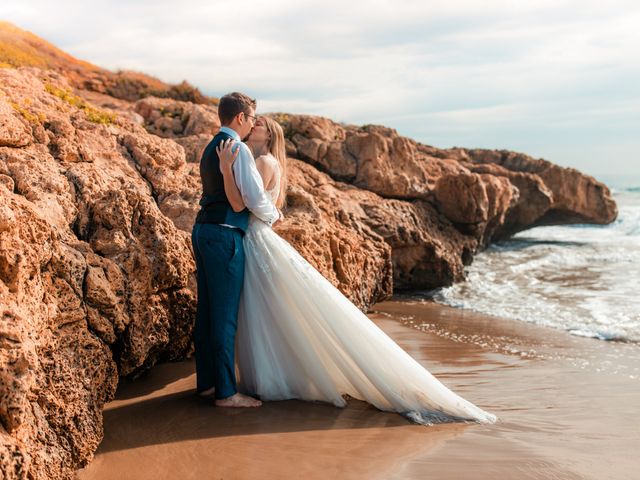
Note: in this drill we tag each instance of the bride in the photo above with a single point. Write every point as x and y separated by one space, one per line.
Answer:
300 337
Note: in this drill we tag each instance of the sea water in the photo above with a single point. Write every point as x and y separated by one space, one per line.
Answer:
581 278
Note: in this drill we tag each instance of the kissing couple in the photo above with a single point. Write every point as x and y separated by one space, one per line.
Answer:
296 335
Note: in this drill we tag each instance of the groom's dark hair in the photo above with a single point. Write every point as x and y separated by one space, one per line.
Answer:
232 104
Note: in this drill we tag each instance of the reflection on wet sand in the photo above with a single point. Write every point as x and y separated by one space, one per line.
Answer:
171 433
557 419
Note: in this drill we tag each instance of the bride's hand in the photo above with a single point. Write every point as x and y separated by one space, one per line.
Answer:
227 155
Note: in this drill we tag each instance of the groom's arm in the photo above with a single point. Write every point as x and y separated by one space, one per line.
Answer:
251 187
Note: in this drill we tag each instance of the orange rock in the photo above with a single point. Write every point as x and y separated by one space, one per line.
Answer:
88 262
13 131
172 118
513 192
371 157
97 200
576 197
533 199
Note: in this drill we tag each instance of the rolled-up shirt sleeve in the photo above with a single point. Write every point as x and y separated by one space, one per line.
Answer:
251 187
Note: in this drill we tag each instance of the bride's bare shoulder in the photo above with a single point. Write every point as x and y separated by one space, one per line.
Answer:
267 158
267 163
266 168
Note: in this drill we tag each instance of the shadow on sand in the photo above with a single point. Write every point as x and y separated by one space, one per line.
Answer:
162 407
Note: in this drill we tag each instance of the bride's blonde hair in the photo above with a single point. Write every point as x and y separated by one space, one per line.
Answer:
277 148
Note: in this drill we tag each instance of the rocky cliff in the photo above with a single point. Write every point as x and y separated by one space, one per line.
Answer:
98 192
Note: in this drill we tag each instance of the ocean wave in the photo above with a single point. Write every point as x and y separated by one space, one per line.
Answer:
582 279
542 308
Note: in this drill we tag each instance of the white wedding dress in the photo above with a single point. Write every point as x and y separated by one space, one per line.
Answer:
300 337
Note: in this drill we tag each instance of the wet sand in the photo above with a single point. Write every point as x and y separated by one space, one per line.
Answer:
568 409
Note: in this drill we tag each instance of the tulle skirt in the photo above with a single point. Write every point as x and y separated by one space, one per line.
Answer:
300 337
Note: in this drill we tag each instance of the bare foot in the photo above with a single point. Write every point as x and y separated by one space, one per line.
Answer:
238 400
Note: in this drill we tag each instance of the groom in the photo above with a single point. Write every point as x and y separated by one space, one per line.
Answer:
219 252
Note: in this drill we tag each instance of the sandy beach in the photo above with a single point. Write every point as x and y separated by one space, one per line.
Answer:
568 409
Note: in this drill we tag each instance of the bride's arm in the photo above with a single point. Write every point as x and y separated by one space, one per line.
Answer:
227 157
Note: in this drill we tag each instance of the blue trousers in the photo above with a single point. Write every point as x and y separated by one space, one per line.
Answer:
219 254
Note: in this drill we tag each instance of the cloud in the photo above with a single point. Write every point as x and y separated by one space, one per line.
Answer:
551 78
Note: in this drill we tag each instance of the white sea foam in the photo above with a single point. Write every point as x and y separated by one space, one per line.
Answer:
582 278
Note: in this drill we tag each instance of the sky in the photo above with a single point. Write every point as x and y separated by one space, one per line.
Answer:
556 79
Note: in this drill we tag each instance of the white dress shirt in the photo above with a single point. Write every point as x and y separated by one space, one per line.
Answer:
250 184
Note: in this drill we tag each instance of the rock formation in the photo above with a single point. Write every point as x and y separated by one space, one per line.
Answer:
96 281
485 194
99 188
